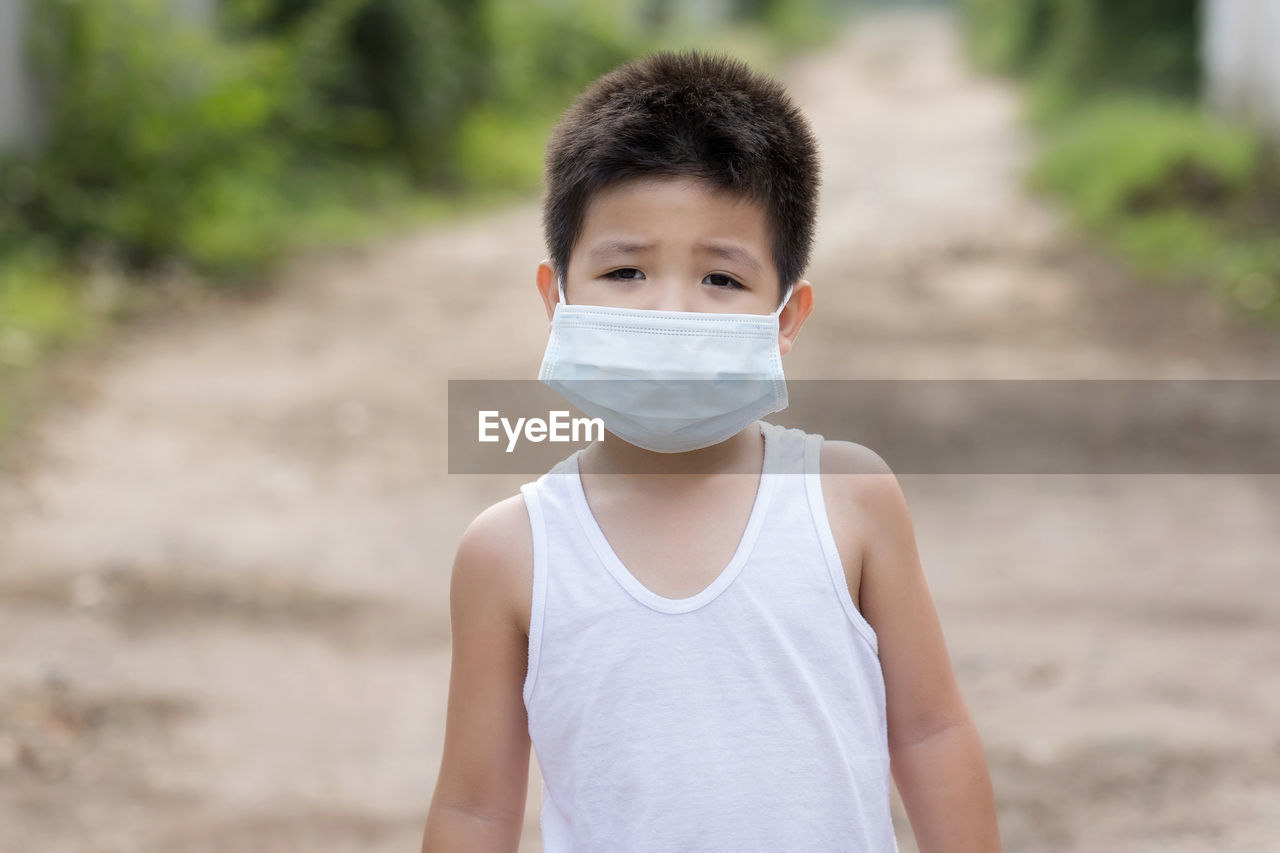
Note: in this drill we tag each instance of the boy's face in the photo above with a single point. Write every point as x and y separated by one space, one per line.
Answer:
676 244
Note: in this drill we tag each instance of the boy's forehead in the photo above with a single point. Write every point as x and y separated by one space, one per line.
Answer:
627 216
686 187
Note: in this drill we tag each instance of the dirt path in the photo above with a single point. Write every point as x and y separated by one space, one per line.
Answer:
224 564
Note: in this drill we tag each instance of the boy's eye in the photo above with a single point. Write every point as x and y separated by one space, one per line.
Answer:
725 281
715 279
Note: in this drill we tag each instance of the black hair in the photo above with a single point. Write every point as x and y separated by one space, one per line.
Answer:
686 114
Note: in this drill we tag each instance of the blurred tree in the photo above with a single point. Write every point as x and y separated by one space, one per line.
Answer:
1009 35
1087 46
394 75
756 10
424 64
146 134
655 16
1126 44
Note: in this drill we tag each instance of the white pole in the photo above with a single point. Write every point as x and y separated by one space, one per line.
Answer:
1241 51
20 119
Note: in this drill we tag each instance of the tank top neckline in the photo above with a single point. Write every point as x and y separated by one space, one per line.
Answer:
629 582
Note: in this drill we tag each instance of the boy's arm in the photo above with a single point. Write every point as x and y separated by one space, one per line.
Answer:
936 754
479 798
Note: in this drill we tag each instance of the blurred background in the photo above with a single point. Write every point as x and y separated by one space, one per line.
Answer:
245 243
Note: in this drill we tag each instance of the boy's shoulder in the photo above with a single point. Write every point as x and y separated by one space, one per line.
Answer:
839 457
856 479
494 560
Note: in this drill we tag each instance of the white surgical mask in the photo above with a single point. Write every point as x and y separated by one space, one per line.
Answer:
666 381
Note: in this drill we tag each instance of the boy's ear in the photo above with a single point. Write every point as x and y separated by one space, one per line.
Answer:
548 287
793 315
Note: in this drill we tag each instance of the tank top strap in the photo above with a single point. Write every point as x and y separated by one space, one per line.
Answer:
558 542
787 448
817 507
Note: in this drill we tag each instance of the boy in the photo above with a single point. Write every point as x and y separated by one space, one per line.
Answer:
703 661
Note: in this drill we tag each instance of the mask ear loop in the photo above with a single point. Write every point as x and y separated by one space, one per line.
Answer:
786 297
560 279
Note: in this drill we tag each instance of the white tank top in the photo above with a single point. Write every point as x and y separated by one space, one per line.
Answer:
747 717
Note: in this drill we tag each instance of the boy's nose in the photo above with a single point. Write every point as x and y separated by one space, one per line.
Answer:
674 296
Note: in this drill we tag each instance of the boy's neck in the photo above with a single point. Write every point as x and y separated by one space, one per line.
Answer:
742 453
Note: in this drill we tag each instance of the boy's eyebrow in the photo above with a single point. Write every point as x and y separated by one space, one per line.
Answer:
732 253
618 247
723 250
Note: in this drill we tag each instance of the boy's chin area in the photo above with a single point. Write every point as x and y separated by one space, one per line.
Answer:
740 453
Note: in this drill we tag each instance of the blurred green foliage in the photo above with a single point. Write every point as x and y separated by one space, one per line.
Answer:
41 309
217 150
1181 195
547 54
800 23
1133 155
1080 48
150 139
1006 35
39 302
169 142
376 77
1184 196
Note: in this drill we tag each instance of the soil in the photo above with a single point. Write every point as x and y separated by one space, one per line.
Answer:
225 544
